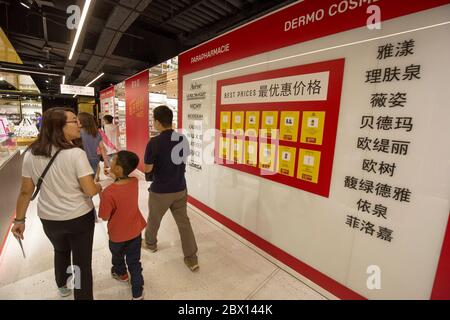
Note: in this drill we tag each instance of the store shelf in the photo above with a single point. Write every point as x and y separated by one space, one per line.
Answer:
119 106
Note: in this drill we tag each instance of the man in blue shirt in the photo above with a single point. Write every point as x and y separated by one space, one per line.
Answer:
165 157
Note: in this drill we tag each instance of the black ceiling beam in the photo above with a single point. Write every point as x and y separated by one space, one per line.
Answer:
210 5
193 5
249 13
224 6
204 11
236 3
66 47
28 70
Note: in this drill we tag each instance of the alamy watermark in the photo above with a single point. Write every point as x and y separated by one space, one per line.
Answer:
74 281
210 140
73 20
374 279
374 20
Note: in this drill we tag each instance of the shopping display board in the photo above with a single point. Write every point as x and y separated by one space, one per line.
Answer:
378 229
136 115
281 124
107 101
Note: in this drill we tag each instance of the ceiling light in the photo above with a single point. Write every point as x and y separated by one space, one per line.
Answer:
40 65
47 81
80 27
26 6
64 80
29 71
100 75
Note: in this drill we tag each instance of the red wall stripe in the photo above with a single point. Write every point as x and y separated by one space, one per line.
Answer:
441 288
315 276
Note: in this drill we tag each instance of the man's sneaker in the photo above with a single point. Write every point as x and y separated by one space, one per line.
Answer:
149 247
141 297
64 291
191 263
123 278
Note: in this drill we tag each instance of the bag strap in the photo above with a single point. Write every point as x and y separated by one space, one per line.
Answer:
41 178
106 140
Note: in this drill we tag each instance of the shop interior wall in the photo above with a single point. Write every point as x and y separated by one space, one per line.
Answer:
312 228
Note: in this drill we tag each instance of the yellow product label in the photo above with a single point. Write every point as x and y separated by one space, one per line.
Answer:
286 160
224 148
289 125
269 125
267 156
312 127
308 165
252 123
251 153
238 123
225 122
237 151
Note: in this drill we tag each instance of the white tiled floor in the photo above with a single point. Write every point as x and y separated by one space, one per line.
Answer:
229 267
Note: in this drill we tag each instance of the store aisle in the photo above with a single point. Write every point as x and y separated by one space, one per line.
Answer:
229 268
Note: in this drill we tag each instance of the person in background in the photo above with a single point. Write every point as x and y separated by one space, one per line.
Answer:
168 189
112 144
38 120
119 205
64 203
92 141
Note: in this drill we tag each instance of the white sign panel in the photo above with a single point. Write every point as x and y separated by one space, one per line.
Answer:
389 197
305 87
79 90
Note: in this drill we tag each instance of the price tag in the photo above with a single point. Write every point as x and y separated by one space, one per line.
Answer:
313 122
286 156
289 121
308 161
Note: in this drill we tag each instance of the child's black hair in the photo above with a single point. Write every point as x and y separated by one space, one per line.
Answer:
128 161
108 118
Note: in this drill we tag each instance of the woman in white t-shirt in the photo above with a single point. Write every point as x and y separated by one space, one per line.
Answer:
64 204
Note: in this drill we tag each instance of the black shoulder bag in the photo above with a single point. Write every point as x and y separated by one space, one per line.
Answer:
41 178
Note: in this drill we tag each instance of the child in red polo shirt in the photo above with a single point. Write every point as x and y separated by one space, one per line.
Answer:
119 206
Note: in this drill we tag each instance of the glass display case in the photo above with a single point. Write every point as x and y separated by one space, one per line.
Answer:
8 147
10 109
155 100
31 109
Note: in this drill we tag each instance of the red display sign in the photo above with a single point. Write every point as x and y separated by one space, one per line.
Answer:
107 93
107 101
136 106
327 108
298 23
